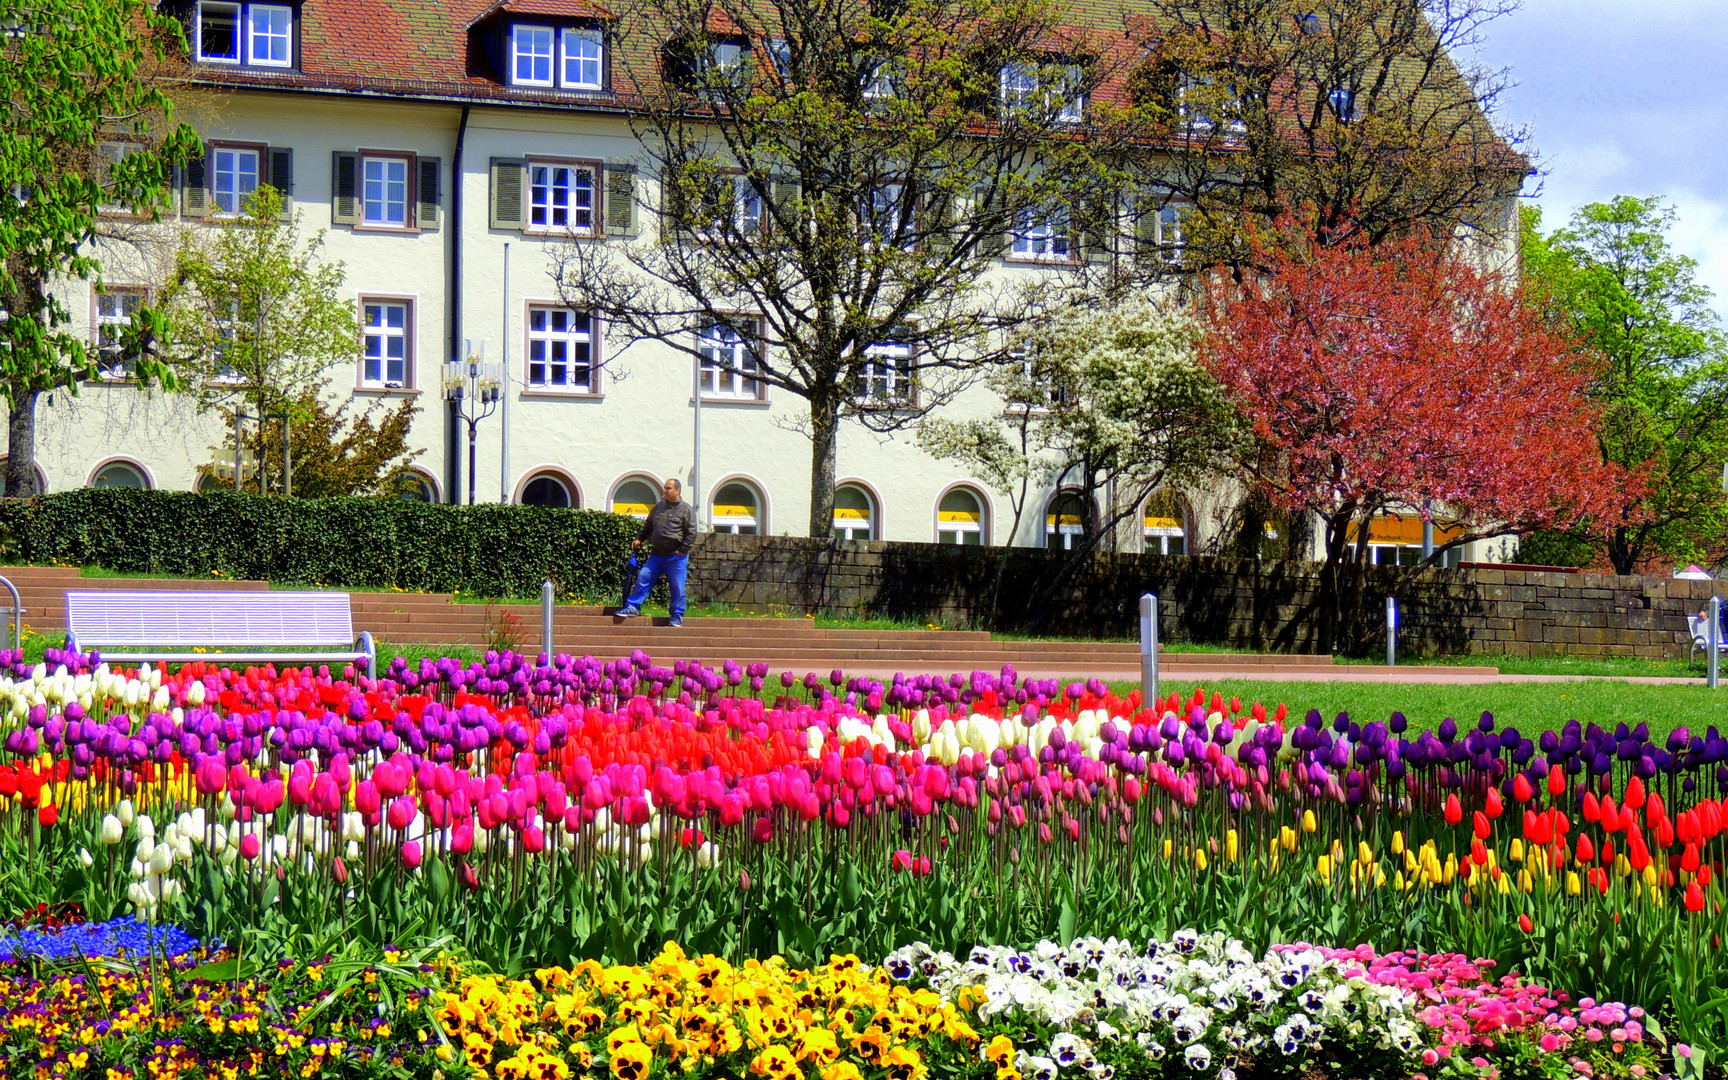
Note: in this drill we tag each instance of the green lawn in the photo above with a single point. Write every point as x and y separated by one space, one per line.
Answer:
1532 707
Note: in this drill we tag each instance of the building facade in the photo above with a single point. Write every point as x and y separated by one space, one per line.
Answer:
447 152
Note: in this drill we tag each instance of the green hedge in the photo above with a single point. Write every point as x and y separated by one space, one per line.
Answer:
490 550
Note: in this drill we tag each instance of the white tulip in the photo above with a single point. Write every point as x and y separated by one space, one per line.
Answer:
112 830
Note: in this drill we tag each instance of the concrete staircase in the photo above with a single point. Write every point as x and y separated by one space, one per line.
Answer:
784 643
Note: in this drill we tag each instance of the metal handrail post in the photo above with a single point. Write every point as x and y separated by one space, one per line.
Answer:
546 595
1391 631
17 614
1715 637
1148 649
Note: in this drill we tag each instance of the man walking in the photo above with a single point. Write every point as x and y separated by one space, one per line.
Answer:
669 531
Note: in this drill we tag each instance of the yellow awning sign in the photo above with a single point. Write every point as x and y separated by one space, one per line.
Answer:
633 509
734 511
962 517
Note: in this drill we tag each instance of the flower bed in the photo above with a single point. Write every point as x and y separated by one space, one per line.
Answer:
539 813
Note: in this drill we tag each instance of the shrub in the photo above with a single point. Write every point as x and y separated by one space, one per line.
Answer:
488 550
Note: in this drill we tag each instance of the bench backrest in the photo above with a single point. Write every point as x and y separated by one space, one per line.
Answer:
112 617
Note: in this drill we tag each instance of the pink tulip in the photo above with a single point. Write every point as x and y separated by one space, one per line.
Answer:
411 854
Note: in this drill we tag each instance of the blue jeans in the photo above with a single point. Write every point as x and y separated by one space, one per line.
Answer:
672 568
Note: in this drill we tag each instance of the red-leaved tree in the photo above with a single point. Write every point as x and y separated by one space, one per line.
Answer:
1399 378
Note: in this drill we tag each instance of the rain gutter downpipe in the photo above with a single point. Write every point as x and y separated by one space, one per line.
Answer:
453 454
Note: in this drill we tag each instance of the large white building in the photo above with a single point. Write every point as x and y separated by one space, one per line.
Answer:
434 143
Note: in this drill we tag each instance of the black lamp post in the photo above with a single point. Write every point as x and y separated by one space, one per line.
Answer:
473 388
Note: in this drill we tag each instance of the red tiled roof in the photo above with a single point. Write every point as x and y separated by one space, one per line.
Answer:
552 9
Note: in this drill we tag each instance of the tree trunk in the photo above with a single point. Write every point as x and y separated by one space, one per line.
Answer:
1622 552
824 434
21 446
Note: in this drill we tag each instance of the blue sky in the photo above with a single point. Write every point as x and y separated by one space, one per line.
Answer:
1626 97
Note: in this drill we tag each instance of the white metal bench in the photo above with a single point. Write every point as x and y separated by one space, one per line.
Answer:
1699 627
266 624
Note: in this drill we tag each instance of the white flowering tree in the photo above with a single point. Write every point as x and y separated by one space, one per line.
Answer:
1102 393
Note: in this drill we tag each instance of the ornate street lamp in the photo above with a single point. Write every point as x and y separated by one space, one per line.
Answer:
474 388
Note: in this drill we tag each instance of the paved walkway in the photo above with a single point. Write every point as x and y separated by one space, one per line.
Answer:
1192 674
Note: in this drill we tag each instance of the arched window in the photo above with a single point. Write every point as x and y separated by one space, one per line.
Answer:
1065 521
634 497
548 489
960 517
854 513
736 508
120 474
1164 524
416 486
208 482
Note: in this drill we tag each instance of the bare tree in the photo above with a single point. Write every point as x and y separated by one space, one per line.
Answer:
1366 111
834 184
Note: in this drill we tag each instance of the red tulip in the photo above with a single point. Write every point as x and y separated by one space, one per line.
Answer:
1586 850
250 846
1521 789
1478 853
1694 898
1634 793
1689 860
901 860
411 854
1556 781
1495 803
1483 829
1454 812
1525 924
1592 809
48 815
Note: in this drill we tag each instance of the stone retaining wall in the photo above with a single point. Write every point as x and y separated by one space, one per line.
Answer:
1243 603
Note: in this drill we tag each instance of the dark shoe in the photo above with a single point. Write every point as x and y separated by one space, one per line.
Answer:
676 622
627 612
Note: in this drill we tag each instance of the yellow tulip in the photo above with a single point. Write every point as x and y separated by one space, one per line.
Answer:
1363 854
1323 867
1168 847
1573 888
1649 875
1379 878
1232 845
1199 858
1398 842
1525 882
1516 851
1308 822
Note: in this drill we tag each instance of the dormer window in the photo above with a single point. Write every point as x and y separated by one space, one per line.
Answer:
1027 89
531 55
258 35
572 57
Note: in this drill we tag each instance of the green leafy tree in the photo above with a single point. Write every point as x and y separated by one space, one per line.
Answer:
258 315
88 130
1611 276
259 322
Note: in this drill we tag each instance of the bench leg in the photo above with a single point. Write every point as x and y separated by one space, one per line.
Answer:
370 648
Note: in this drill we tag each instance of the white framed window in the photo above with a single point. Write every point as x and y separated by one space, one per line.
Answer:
1041 391
1065 521
736 508
746 206
854 513
562 196
386 336
384 192
960 518
729 59
115 307
890 216
887 375
560 349
584 59
879 83
235 176
219 33
728 354
1164 525
1202 105
1169 231
233 32
270 35
1043 235
531 55
780 55
1024 91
